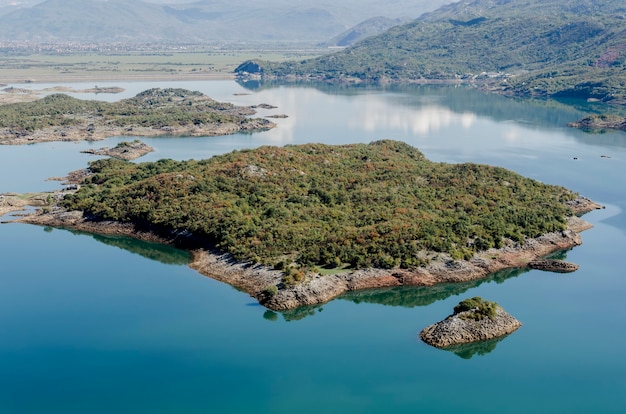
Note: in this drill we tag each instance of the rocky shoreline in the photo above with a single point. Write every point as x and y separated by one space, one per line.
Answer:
92 126
88 133
10 202
265 284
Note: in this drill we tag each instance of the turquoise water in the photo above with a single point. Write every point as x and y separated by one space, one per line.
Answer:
100 324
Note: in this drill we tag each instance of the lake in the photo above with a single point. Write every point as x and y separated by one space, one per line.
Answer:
103 324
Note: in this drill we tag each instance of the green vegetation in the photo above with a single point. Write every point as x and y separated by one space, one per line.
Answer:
378 205
155 108
526 47
270 291
480 308
197 61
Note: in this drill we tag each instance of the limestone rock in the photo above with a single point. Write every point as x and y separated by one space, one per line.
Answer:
464 327
549 265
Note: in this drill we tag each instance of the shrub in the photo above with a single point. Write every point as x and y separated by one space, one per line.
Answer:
477 308
270 291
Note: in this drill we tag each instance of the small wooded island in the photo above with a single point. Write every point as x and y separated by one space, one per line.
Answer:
473 320
59 117
300 225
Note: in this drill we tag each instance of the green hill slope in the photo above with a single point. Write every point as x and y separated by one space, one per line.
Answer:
525 47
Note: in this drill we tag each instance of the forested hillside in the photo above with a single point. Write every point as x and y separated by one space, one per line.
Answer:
525 47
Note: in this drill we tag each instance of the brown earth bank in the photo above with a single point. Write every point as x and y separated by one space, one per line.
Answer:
265 284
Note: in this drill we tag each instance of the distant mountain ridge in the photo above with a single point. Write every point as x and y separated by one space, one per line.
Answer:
137 21
526 47
363 30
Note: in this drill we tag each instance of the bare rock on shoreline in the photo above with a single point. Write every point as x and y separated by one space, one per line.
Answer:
581 205
10 202
267 286
316 288
469 326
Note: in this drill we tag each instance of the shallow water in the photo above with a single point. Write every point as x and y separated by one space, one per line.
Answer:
97 324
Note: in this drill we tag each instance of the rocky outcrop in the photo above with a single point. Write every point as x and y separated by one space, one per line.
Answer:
580 206
124 150
465 327
15 202
551 265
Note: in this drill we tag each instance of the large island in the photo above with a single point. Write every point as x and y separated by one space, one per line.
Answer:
300 225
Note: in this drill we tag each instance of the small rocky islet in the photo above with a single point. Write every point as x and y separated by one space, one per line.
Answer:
124 150
473 320
600 123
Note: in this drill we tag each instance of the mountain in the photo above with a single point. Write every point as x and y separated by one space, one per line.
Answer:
137 21
525 47
368 28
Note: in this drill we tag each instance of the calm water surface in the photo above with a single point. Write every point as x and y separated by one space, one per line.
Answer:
99 324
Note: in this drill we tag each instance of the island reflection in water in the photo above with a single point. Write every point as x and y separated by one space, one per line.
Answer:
482 348
404 296
158 252
412 296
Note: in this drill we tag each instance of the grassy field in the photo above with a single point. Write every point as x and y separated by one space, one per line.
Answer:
180 64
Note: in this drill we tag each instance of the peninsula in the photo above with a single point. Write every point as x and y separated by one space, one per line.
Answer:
528 48
154 112
300 225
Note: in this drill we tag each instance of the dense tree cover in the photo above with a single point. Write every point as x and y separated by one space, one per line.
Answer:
152 108
382 204
552 47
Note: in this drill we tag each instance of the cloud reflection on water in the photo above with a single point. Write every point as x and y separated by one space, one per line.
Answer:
313 112
379 114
